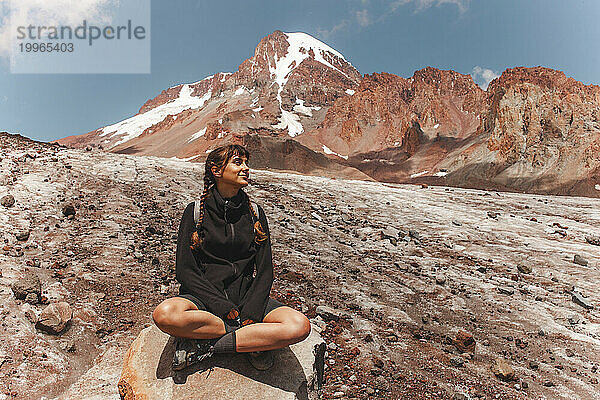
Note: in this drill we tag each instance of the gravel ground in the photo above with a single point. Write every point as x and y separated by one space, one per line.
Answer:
427 288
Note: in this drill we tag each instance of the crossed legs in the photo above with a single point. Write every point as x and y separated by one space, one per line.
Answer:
281 327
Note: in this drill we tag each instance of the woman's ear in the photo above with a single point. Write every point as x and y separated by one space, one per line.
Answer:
216 172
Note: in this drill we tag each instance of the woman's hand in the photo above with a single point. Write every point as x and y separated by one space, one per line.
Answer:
233 314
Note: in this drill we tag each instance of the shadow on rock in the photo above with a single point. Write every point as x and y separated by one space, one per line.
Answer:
284 360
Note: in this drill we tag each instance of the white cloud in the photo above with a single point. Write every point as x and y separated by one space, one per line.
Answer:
366 17
483 76
462 5
362 17
49 12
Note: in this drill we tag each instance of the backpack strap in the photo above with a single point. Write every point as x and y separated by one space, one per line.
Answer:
197 211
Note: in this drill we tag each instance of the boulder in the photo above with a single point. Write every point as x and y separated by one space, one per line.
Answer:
502 370
55 317
464 342
8 201
30 283
147 372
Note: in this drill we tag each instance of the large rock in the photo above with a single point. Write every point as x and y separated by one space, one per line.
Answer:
502 370
147 373
55 317
29 284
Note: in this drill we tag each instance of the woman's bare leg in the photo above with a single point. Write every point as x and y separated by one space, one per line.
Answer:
281 327
180 317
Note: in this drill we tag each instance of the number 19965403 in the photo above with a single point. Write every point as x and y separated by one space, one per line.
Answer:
46 47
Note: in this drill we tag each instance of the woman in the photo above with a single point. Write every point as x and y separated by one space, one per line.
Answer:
225 269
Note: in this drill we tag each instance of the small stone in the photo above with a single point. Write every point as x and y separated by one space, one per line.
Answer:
502 370
524 268
370 391
534 365
382 383
591 239
524 384
464 342
579 299
338 394
327 313
332 346
492 214
548 383
22 236
8 201
440 279
390 232
569 352
506 291
481 269
457 223
578 259
68 209
55 317
414 234
31 298
457 362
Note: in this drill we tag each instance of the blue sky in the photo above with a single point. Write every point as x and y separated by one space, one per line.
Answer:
193 39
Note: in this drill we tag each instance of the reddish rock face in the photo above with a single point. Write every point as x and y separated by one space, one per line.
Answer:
545 122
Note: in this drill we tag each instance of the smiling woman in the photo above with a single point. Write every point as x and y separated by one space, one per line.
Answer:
224 264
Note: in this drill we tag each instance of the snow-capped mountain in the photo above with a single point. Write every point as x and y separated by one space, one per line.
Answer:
303 106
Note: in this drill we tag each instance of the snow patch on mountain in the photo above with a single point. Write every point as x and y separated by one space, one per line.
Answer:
133 127
327 150
298 50
290 121
240 91
198 134
419 174
302 109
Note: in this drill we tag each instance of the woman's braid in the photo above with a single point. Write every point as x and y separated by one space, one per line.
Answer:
196 240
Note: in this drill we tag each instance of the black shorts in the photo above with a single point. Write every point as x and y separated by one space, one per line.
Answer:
271 304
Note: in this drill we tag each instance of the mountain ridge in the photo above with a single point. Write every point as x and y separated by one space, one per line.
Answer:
437 125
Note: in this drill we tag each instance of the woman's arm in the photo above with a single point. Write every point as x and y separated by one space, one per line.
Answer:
255 301
189 274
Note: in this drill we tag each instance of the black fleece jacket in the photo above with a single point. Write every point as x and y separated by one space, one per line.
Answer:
230 271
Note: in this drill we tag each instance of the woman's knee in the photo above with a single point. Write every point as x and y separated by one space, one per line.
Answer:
298 327
167 313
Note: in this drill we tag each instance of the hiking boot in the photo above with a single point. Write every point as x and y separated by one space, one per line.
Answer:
261 360
191 351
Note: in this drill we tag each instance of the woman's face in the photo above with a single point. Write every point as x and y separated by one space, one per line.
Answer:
236 172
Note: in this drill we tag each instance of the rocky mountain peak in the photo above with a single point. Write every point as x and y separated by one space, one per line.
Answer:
539 76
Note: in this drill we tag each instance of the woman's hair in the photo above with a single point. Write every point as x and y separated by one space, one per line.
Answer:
219 158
